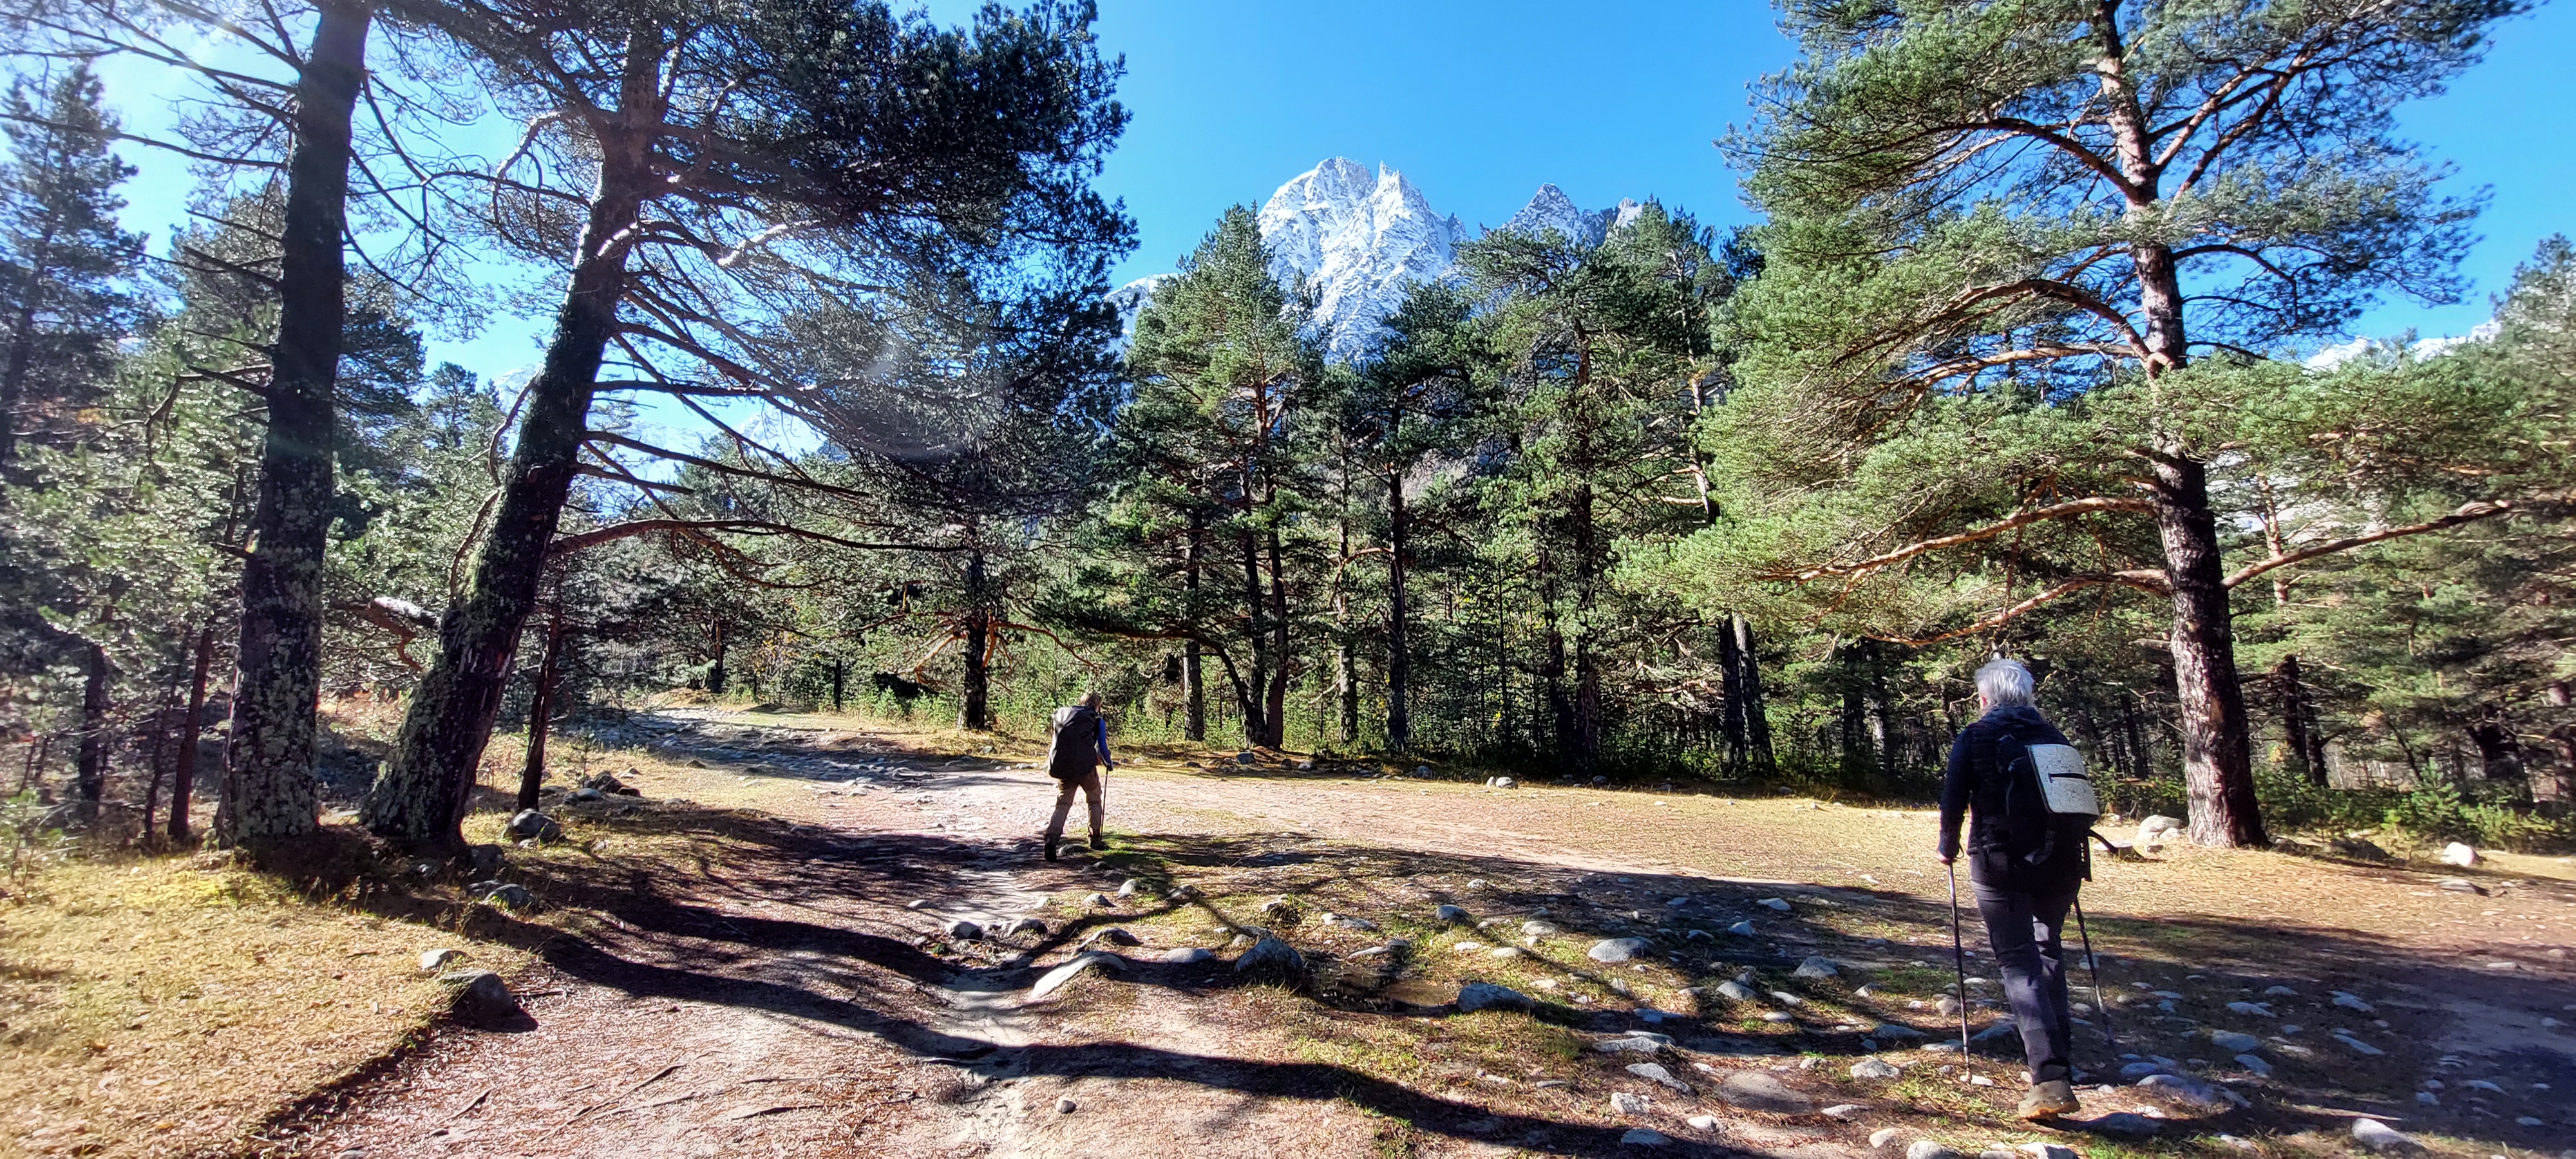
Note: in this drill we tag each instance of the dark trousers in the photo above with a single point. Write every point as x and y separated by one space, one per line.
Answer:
2023 926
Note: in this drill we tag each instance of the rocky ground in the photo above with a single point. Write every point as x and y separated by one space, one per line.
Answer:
806 939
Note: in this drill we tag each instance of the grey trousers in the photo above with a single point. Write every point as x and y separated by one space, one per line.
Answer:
2023 927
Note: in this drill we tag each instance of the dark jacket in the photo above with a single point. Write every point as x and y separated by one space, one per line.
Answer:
1974 787
1078 733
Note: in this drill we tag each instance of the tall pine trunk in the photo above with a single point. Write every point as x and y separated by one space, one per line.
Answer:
192 724
1193 669
1399 617
89 768
1256 609
2299 725
1346 676
269 796
541 708
974 698
1275 727
421 797
1757 716
2217 741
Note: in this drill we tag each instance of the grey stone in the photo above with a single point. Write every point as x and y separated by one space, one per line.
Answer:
2352 1002
1246 757
1098 901
480 998
1114 935
1891 1030
433 961
2128 1123
1927 1149
1127 888
508 895
2234 1041
964 931
1741 929
1065 1106
2153 830
2252 1009
1634 1042
1623 1103
1884 1136
1757 1091
1271 958
1738 992
1026 926
1540 929
2280 992
2049 1151
1816 967
1449 914
1055 979
1348 922
1475 996
530 825
2187 1089
484 860
2358 849
1777 903
2255 1063
1871 1068
2459 854
2357 1046
1654 1072
1614 950
1642 1137
1786 998
587 794
2381 1137
1185 956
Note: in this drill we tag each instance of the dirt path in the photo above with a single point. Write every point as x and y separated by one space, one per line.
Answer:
789 989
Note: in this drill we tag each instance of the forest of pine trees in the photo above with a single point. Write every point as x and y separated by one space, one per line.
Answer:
2011 363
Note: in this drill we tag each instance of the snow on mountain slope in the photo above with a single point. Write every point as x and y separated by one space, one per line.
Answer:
1358 240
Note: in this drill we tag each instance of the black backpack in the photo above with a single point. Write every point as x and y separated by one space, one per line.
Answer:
1069 756
2048 796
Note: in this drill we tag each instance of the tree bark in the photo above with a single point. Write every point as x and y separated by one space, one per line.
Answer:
541 707
192 724
1193 670
2218 756
1346 676
716 666
89 768
974 708
1275 729
2299 726
1251 691
1399 617
1757 714
269 797
421 798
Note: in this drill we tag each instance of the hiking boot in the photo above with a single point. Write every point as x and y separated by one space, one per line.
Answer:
1098 843
1050 849
2048 1100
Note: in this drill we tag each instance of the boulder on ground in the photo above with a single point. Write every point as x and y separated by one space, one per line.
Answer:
1246 757
1816 967
1780 904
1755 1090
485 860
1114 935
507 895
530 825
964 931
2357 849
1884 1136
2459 854
2234 1042
1448 914
1737 992
1741 929
1623 1103
1475 996
480 998
1614 950
1271 958
1634 1042
1055 979
433 961
1927 1149
2381 1137
1871 1068
1185 956
1643 1137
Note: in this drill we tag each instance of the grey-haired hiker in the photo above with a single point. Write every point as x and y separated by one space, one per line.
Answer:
1080 733
2026 868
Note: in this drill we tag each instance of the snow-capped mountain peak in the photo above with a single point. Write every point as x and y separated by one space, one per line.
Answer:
1357 240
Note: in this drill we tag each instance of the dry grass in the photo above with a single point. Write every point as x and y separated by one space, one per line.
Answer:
165 1005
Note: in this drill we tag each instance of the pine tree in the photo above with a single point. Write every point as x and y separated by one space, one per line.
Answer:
1970 198
64 263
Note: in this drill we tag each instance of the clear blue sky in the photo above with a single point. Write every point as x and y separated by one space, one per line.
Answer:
1481 102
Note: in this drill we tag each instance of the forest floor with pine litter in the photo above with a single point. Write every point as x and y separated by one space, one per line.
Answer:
755 957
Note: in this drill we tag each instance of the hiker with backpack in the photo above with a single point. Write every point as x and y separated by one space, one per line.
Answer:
1080 733
2030 810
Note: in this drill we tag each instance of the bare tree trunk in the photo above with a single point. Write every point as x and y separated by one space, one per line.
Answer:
192 724
541 707
2218 756
974 707
1399 617
269 795
89 771
421 797
1346 677
1275 730
1193 670
1757 715
1256 608
716 666
2299 724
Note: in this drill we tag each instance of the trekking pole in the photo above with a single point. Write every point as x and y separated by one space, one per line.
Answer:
2093 966
1959 959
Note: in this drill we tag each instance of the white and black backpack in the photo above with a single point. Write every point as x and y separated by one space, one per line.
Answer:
2047 794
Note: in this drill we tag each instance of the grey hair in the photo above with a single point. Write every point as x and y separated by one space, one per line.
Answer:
2004 682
